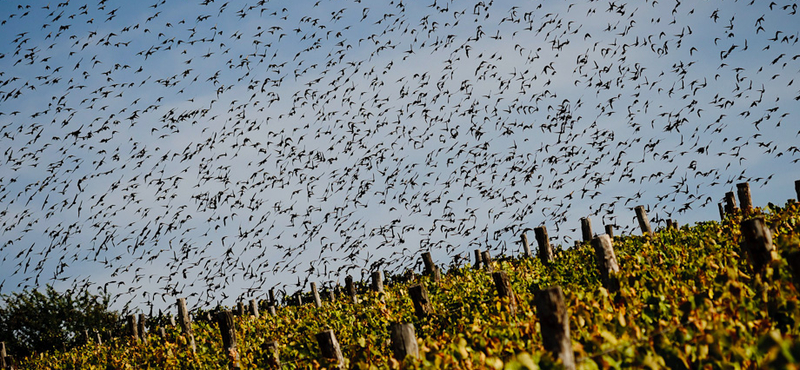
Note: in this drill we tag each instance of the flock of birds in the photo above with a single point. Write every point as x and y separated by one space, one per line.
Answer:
218 149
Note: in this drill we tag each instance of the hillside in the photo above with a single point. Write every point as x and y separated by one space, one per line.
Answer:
687 298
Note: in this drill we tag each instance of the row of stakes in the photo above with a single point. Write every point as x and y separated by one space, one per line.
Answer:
549 302
550 306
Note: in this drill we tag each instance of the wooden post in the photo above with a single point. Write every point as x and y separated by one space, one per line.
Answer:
757 242
669 224
721 212
377 281
793 260
427 260
240 308
487 262
644 222
172 320
730 203
743 190
546 254
273 354
254 308
350 287
606 261
526 247
610 231
133 329
430 268
404 341
141 327
299 298
272 310
186 323
272 297
586 229
554 322
797 189
315 292
478 258
504 289
3 355
330 347
229 342
419 296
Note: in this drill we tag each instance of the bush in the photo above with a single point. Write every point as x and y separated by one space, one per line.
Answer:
33 321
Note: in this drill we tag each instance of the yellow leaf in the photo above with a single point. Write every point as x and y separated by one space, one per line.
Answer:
495 363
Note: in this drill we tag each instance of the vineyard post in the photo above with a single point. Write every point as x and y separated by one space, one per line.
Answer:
85 336
606 261
299 298
669 224
404 341
610 231
478 258
3 355
172 320
142 332
543 240
272 297
315 292
487 262
586 229
797 189
229 342
526 247
254 308
721 212
273 354
554 322
430 268
272 310
419 296
240 308
330 347
504 290
644 222
186 323
730 203
743 190
377 281
133 329
757 242
793 260
99 339
351 288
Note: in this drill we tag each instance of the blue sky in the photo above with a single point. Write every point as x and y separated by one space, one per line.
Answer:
214 150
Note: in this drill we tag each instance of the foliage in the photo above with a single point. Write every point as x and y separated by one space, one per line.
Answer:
688 299
35 321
